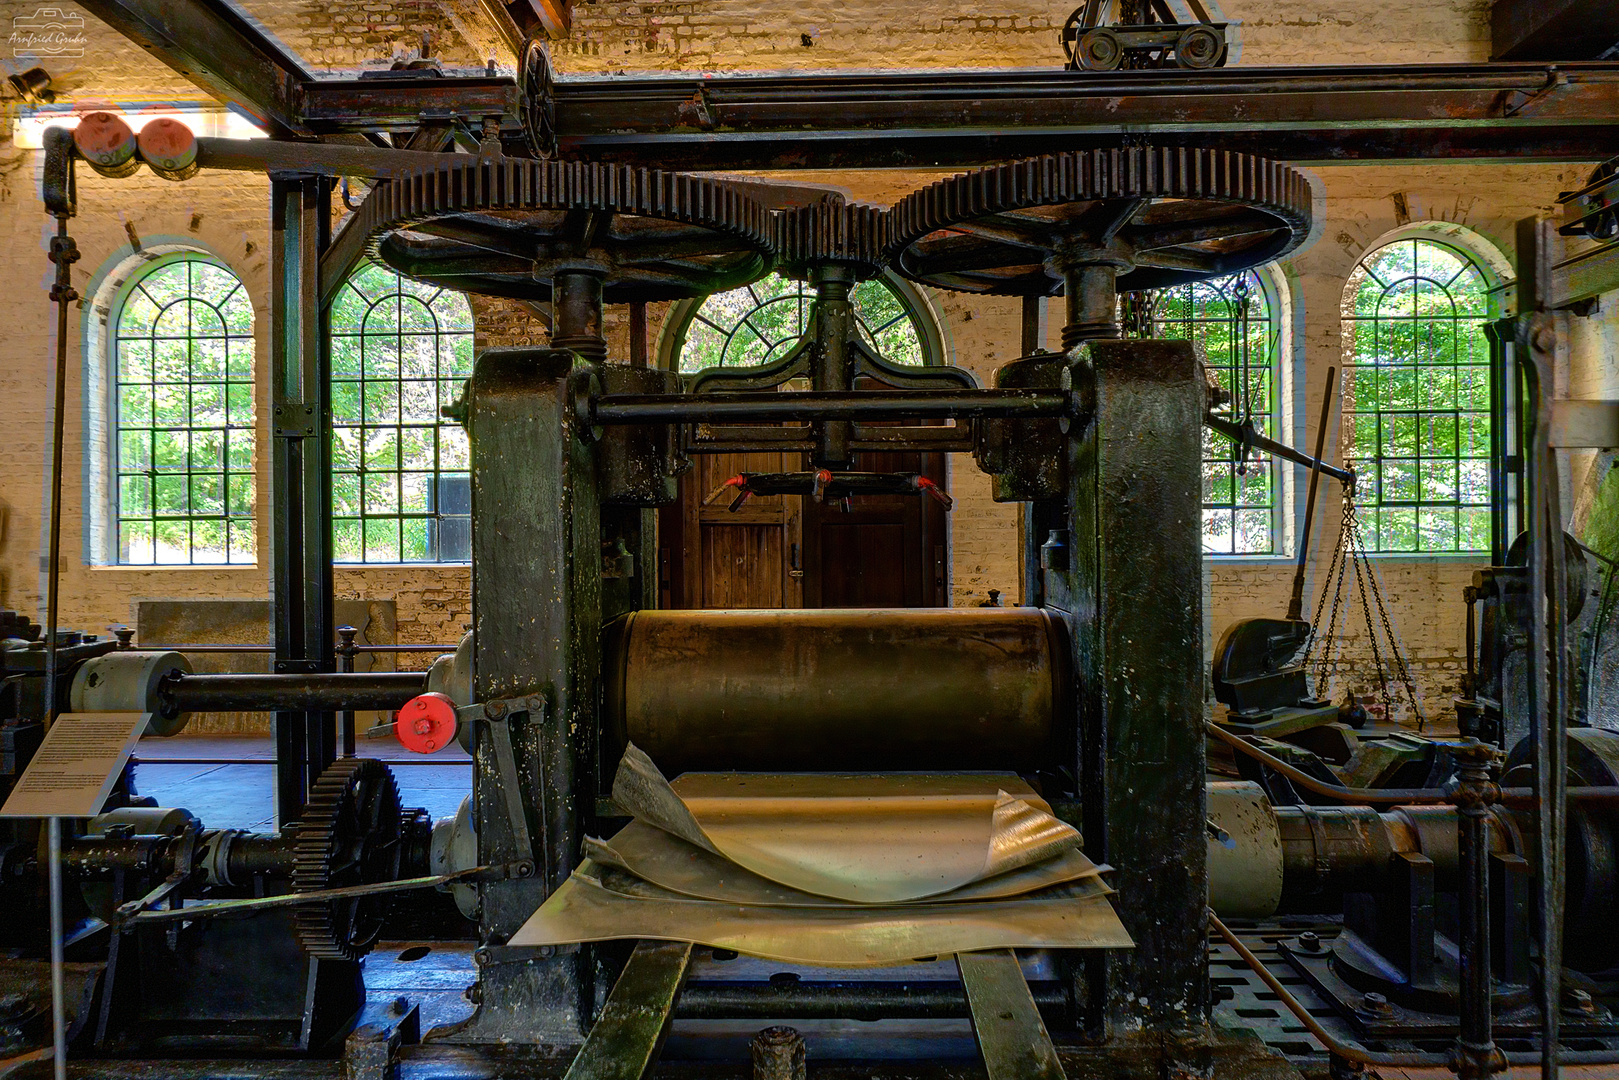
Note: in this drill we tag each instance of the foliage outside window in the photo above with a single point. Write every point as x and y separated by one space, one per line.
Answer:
1417 397
760 323
1240 496
401 487
182 347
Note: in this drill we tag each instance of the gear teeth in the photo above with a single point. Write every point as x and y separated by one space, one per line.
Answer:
320 835
1157 173
832 230
510 186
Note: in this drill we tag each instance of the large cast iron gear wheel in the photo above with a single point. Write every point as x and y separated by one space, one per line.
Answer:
1162 215
508 227
349 835
832 230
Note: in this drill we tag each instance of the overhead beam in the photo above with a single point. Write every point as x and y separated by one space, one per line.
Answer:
1553 29
209 43
347 106
1319 115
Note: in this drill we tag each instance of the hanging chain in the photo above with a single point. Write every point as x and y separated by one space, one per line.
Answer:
1243 406
1350 554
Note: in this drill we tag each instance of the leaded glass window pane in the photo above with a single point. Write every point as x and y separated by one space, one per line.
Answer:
1234 320
182 346
760 323
1417 397
401 485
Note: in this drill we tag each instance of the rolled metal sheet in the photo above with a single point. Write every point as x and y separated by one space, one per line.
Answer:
824 690
862 837
657 859
582 910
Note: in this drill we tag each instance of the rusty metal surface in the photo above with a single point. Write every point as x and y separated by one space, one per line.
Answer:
964 688
583 910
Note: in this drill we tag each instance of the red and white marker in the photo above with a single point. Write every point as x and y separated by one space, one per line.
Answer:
427 723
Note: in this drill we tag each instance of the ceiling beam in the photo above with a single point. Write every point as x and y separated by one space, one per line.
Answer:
211 44
918 119
1553 29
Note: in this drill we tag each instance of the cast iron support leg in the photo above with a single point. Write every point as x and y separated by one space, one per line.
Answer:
300 477
1132 590
536 609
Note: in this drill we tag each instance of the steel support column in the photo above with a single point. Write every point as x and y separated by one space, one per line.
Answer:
300 477
536 611
1128 573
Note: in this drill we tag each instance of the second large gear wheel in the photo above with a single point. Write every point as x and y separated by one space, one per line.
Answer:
349 835
1160 216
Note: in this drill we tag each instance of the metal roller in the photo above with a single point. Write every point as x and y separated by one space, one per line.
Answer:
867 689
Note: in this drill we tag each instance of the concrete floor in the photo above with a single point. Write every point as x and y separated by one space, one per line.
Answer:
189 771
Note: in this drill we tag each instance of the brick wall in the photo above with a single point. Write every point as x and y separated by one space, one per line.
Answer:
226 213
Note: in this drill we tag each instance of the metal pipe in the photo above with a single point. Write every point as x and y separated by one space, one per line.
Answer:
841 1001
1476 1053
438 648
324 692
811 405
1252 438
1295 604
1514 797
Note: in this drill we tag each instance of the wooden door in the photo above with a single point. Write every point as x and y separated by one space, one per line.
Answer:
885 550
790 552
713 558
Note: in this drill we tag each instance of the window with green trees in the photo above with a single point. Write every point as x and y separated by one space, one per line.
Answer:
401 488
1234 319
1416 399
182 439
760 323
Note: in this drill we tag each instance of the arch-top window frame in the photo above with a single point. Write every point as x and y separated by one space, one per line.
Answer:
1246 501
740 336
401 471
180 415
1416 392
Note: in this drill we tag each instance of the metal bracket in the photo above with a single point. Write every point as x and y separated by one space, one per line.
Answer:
1555 80
625 1040
294 420
497 714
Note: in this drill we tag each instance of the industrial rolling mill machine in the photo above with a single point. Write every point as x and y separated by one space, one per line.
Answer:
196 947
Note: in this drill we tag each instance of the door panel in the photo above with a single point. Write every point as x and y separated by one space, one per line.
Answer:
712 558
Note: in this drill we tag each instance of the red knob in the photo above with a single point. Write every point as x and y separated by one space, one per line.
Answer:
427 723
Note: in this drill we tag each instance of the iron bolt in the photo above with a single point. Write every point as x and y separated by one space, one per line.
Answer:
495 710
474 993
1545 340
1374 1002
1310 941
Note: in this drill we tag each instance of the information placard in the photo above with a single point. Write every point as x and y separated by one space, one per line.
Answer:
76 766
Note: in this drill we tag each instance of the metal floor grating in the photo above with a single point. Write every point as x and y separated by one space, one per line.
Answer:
1249 1003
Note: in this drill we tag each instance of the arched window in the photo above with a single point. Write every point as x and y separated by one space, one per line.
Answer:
1235 320
1416 400
401 489
182 439
759 323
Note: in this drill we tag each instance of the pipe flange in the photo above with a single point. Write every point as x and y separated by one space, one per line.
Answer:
130 682
507 227
1174 214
